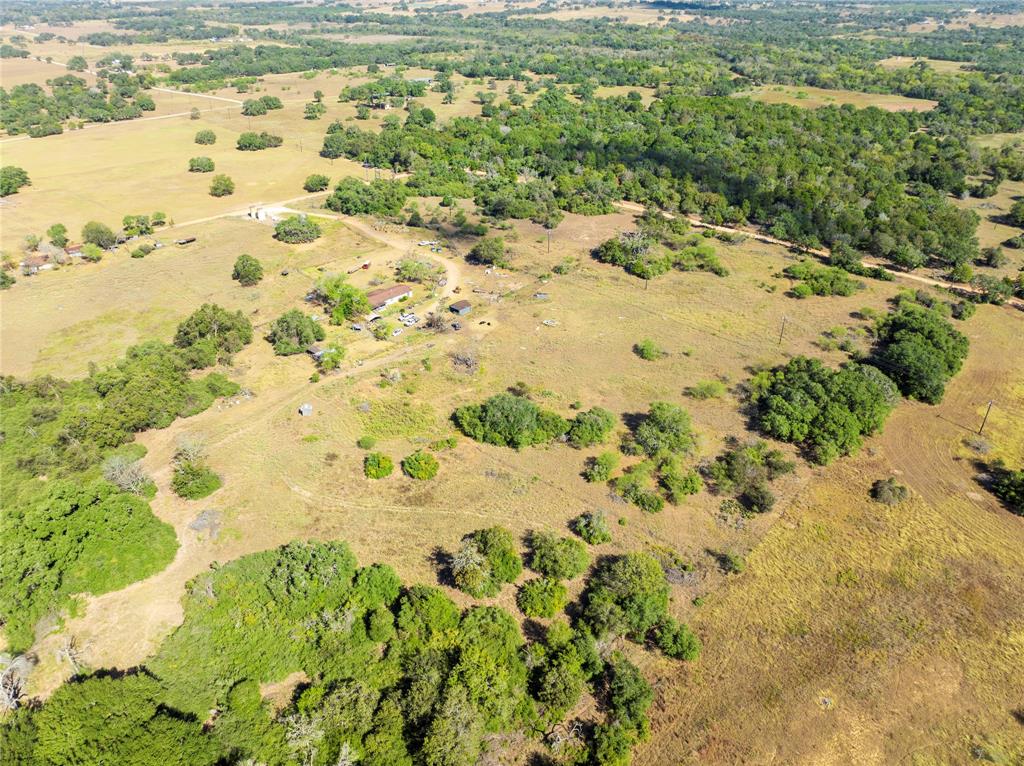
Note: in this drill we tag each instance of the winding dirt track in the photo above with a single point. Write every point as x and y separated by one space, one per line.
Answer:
762 237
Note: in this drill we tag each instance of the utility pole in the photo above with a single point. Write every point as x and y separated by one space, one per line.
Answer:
985 419
782 330
549 240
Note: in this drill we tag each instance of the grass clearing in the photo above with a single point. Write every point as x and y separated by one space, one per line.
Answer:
812 98
939 65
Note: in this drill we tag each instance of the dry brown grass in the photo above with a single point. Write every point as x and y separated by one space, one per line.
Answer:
870 634
812 98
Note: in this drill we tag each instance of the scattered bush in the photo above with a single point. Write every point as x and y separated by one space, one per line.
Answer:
489 252
593 527
247 271
648 349
420 465
626 595
487 559
222 186
96 233
128 475
211 333
665 429
206 137
541 597
254 142
380 197
200 165
12 178
889 492
920 350
676 640
194 480
316 182
366 442
559 558
821 280
826 411
509 421
377 465
744 467
296 229
707 389
590 427
1008 486
600 468
293 332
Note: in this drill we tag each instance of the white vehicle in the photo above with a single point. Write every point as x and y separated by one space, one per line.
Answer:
396 332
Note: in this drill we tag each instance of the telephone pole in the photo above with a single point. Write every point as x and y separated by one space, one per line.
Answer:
985 419
782 330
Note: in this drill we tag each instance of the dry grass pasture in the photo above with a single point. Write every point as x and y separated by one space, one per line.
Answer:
828 554
859 633
107 171
939 65
812 98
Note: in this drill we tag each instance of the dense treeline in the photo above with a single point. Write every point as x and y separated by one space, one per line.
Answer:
28 108
866 179
85 529
396 674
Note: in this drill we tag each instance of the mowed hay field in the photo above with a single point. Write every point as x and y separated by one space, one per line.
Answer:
812 98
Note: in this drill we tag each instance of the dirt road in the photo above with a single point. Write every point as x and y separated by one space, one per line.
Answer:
871 263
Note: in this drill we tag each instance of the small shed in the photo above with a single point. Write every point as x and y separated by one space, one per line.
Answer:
306 409
315 351
460 307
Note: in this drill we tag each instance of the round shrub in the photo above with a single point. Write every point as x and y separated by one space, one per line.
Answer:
194 481
200 165
206 137
377 466
541 597
561 558
887 491
366 442
593 528
676 640
296 229
316 182
222 186
248 271
420 465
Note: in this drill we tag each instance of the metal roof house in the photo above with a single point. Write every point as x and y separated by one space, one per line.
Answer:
387 295
460 307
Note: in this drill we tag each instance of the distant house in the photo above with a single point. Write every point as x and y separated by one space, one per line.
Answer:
387 295
460 307
306 409
74 249
33 264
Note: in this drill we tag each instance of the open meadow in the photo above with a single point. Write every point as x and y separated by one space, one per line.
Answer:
812 98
